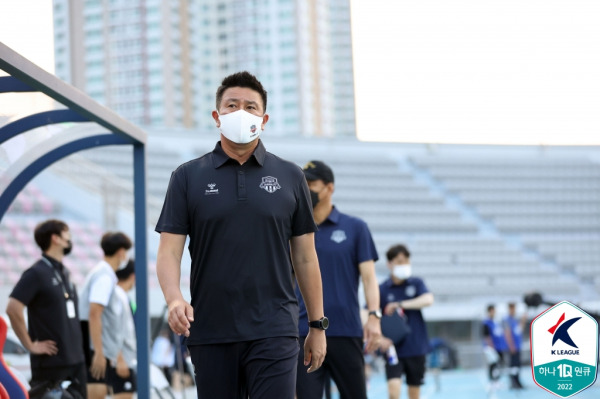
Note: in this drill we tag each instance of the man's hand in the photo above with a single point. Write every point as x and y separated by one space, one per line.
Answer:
181 314
372 333
47 347
315 349
384 344
98 366
122 369
391 307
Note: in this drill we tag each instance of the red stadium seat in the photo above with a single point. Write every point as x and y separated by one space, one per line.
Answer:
10 384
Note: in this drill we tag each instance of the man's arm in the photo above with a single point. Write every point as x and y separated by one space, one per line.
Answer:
308 274
372 328
487 336
98 366
14 310
508 336
122 368
416 303
168 270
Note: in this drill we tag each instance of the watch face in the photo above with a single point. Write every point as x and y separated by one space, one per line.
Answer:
376 313
325 323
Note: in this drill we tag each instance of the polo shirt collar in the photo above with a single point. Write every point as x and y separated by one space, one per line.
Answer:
107 267
334 216
220 157
58 265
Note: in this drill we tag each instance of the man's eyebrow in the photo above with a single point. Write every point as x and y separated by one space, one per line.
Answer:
238 100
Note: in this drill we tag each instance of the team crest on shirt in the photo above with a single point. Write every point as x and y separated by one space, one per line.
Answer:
410 291
269 184
338 236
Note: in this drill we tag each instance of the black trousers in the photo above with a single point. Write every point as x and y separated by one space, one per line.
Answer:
495 369
345 363
261 369
50 376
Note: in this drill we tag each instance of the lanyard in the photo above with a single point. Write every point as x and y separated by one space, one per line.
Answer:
58 277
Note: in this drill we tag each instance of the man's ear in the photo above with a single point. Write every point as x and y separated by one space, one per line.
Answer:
331 187
264 121
215 116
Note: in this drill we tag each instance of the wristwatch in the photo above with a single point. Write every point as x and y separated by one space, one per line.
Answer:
376 313
321 324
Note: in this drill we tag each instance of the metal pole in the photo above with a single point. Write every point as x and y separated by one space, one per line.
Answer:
141 271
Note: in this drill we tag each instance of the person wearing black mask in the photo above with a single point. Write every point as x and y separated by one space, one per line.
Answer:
53 334
346 254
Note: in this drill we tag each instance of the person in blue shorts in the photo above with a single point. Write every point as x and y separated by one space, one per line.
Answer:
405 295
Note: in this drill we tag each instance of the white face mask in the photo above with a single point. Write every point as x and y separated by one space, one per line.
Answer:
241 127
123 263
402 272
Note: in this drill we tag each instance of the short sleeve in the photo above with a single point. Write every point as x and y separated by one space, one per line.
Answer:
382 296
303 221
365 246
101 290
421 287
486 331
174 215
27 287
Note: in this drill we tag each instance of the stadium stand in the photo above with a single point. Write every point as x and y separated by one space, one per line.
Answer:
484 224
548 206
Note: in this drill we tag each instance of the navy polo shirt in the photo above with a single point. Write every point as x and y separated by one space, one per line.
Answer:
240 219
342 243
42 292
417 342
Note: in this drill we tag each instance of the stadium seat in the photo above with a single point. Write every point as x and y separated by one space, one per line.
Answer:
10 383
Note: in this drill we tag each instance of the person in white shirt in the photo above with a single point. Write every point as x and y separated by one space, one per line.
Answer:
163 353
125 381
101 312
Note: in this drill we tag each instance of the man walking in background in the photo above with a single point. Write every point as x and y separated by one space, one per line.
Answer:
248 215
404 295
53 334
346 254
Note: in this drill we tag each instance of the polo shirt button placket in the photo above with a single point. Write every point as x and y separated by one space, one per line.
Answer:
241 186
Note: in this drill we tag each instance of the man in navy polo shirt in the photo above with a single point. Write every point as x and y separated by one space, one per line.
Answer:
346 254
248 215
406 295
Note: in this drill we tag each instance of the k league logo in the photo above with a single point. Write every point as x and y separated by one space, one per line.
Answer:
564 350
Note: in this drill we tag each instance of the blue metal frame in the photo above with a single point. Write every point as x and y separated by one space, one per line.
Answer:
15 186
37 120
11 84
142 316
28 77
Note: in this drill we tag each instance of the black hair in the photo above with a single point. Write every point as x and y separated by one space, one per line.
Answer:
45 230
395 250
112 242
127 271
242 79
